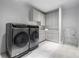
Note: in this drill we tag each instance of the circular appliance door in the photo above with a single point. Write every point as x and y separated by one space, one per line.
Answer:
21 39
34 36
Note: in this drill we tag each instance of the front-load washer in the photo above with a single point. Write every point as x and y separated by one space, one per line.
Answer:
34 36
17 39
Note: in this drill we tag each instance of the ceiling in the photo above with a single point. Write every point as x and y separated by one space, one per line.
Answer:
49 5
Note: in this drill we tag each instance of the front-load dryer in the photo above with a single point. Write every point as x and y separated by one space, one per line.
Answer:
34 36
17 39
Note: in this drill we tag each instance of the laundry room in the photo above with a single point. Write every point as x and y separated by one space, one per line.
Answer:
34 28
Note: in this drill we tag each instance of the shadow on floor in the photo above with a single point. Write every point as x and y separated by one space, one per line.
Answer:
4 55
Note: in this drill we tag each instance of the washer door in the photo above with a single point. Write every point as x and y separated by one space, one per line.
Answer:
34 36
21 39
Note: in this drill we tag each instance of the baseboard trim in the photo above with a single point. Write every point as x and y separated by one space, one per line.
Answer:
42 41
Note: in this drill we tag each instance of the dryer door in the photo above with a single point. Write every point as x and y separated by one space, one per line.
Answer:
21 39
34 36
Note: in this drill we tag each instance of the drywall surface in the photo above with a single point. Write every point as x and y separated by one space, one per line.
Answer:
14 12
52 20
52 24
70 25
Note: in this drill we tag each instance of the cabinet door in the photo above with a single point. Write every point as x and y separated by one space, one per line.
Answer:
38 17
41 35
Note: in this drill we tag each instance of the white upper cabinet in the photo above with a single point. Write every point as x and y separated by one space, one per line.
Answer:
38 17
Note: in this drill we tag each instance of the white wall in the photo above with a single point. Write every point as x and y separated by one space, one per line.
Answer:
52 24
70 25
52 20
11 11
77 24
70 15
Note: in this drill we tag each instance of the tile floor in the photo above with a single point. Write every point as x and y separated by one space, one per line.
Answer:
49 49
